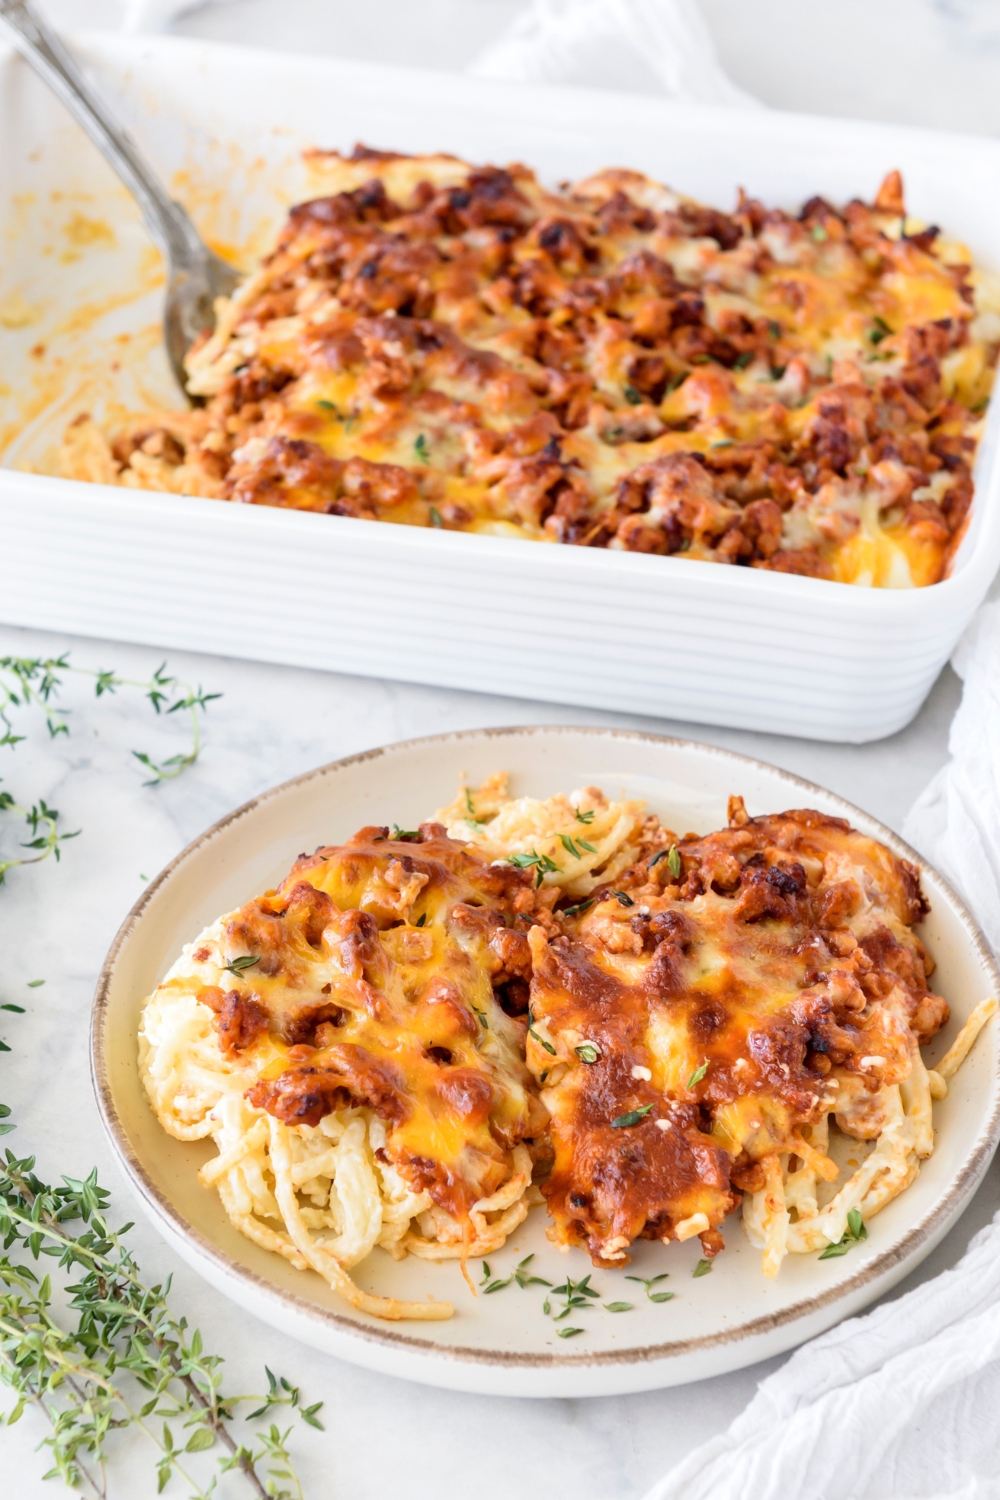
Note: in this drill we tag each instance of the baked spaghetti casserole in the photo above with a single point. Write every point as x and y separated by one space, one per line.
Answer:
607 365
421 1033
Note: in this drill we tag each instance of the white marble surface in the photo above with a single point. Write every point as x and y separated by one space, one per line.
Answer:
920 61
56 923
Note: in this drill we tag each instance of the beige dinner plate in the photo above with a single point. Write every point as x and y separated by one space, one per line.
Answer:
503 1343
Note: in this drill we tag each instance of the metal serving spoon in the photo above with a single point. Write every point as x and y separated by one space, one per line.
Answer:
195 276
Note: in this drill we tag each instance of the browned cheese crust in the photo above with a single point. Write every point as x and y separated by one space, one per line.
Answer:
694 1022
610 365
377 970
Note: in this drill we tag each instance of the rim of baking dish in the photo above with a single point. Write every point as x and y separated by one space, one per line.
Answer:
981 1149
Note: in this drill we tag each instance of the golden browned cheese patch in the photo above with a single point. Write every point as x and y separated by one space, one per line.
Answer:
724 997
608 365
375 975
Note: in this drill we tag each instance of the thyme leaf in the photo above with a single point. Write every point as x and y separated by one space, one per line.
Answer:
83 1378
651 1281
241 964
541 1041
698 1074
405 835
631 1117
854 1232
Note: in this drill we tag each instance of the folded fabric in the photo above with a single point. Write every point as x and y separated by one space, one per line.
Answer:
902 1402
600 42
955 822
153 15
604 42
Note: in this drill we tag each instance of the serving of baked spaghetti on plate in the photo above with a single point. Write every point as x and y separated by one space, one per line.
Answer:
604 1073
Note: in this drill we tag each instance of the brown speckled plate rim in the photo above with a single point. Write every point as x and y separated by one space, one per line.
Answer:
962 1185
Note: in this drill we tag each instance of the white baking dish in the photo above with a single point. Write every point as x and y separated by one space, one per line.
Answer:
664 636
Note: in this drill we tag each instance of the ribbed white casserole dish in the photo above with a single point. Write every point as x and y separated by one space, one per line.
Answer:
657 635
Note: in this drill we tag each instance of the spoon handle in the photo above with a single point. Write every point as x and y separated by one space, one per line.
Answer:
166 220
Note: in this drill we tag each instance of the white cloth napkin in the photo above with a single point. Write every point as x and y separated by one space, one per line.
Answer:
607 41
901 1403
955 822
600 42
153 15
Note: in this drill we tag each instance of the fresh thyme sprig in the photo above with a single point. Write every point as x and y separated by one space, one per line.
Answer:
34 680
127 1344
39 816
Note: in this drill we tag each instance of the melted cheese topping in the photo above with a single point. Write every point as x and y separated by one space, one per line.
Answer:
610 365
706 1017
387 1045
368 978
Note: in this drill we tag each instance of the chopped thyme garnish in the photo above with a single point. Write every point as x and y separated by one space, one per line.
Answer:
567 1333
854 1232
482 1018
632 396
881 330
624 899
539 1039
586 817
618 1306
524 1278
239 965
421 919
569 846
472 811
778 371
632 1117
490 1283
34 983
744 359
435 515
674 864
698 1074
574 911
702 1268
819 234
405 835
542 862
421 449
588 1052
582 843
328 406
576 1294
651 1281
774 329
